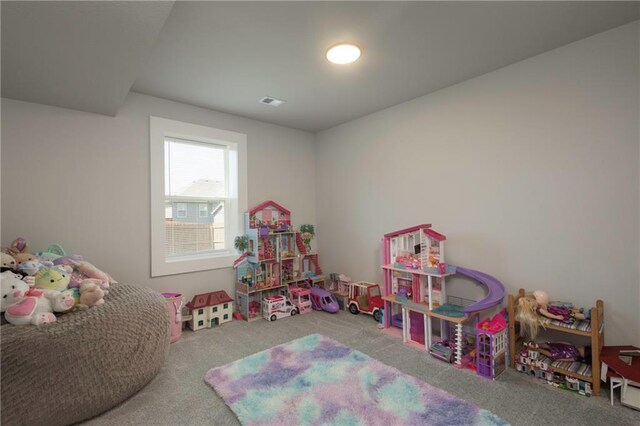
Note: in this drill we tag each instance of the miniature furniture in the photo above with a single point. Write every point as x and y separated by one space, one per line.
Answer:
276 259
622 374
593 330
85 363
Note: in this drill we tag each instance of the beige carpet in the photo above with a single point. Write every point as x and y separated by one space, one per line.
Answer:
179 395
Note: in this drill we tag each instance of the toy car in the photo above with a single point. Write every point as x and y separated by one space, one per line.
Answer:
274 307
365 297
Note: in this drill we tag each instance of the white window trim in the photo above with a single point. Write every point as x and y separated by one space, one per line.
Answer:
205 210
159 128
178 210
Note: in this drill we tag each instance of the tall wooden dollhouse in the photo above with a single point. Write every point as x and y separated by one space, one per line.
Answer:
276 258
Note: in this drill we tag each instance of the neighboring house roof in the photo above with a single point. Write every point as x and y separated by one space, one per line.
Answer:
209 299
433 234
203 188
268 204
408 230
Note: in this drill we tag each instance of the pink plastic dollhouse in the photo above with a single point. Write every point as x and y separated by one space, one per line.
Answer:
414 275
414 294
491 346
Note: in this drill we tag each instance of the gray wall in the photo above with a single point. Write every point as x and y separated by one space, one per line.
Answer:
531 172
82 180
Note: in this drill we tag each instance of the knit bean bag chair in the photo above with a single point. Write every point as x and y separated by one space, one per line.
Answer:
85 363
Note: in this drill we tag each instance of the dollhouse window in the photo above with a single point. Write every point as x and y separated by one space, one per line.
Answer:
226 316
200 323
226 305
214 309
195 169
200 311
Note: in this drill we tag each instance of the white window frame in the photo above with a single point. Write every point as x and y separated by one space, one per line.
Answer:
200 210
159 128
178 210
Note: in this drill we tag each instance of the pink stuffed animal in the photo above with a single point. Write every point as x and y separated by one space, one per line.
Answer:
87 270
91 294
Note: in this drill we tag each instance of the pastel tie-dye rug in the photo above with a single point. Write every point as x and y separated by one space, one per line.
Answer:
316 380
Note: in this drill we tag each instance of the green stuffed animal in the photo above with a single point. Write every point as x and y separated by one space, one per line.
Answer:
54 278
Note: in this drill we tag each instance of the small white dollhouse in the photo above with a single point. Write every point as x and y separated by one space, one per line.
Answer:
209 310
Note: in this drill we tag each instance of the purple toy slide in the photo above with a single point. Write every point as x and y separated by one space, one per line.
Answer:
495 290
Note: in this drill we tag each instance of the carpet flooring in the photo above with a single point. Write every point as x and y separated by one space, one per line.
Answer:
179 395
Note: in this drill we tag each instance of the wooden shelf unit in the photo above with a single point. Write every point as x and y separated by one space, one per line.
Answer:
596 337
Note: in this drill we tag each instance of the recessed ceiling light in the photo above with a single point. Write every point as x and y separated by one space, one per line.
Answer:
343 53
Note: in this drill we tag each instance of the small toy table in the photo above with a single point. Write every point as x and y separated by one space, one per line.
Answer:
629 375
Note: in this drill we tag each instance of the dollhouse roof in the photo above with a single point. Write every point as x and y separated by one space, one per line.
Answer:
239 260
268 204
408 230
433 234
209 299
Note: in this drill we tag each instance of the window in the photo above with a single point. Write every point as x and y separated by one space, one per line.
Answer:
226 305
215 309
182 210
201 323
226 316
200 311
195 169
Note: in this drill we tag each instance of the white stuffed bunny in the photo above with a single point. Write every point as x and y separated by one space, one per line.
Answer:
22 305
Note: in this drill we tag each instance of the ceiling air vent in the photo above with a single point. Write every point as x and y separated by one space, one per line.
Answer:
268 100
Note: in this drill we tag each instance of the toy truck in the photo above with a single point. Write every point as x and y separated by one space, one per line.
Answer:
365 297
274 307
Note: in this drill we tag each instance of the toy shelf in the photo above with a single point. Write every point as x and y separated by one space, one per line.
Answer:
595 335
572 374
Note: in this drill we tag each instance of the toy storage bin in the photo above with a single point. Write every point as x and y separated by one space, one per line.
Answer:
174 300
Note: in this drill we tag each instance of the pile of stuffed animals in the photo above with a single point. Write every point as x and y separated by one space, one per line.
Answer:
34 286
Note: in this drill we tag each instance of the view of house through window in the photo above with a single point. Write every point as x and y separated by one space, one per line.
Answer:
196 191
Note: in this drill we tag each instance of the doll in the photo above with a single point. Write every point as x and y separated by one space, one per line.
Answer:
532 306
562 351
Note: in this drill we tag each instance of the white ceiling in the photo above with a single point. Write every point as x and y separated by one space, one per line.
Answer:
227 55
80 55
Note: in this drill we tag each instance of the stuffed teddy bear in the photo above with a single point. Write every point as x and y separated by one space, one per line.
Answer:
19 250
91 294
22 305
7 261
